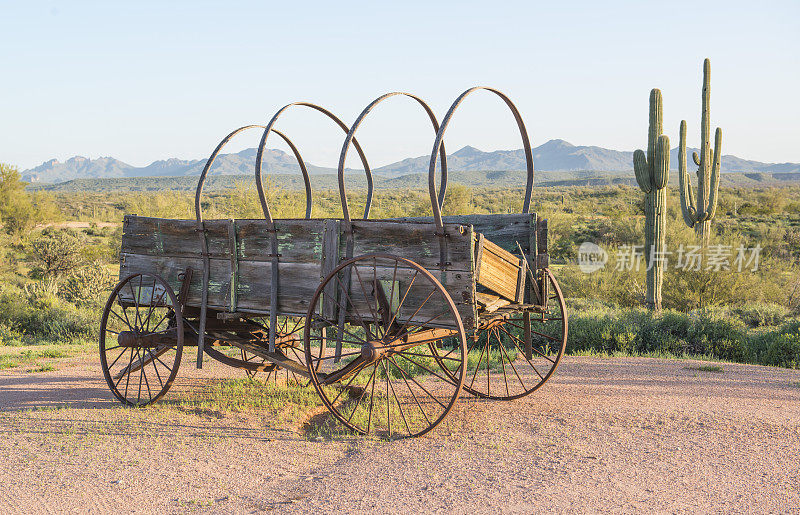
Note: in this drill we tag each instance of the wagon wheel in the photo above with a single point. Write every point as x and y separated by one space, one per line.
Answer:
289 342
141 339
501 366
386 382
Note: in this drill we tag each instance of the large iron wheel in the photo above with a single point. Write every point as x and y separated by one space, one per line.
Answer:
384 380
289 339
517 353
141 339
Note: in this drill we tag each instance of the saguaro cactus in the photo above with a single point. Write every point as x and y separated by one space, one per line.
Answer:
700 214
652 174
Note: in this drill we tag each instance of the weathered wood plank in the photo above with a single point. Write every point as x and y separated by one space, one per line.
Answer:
330 260
309 250
499 270
503 229
253 283
416 241
299 241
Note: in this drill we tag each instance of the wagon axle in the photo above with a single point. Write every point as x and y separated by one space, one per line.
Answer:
146 340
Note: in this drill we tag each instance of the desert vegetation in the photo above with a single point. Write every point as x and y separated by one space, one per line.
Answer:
59 258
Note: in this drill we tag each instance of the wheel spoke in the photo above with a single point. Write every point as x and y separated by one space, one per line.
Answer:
366 298
122 373
403 300
153 306
117 358
124 321
153 361
477 366
317 360
128 374
526 358
372 399
146 382
426 368
350 301
514 368
139 357
502 362
399 406
364 391
403 375
423 388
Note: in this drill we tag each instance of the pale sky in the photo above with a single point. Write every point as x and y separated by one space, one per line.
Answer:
142 81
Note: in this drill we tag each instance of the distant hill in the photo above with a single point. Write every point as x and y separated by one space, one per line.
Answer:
54 171
418 181
554 156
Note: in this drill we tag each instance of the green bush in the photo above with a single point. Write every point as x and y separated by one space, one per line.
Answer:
761 314
56 252
783 346
87 285
41 317
709 332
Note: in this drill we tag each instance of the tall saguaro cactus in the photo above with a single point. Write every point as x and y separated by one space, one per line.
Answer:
652 174
700 214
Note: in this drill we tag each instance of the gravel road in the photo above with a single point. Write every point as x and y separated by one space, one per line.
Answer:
622 435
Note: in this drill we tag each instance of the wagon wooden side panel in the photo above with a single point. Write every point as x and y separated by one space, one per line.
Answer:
240 264
240 277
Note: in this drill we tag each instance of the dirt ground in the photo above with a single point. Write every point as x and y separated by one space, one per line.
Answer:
621 435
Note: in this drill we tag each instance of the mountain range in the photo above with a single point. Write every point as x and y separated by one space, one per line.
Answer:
554 156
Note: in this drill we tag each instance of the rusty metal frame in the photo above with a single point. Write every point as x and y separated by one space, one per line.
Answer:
350 138
348 228
201 226
438 144
262 145
526 145
273 309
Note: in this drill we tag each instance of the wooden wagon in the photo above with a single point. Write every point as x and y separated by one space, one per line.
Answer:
388 319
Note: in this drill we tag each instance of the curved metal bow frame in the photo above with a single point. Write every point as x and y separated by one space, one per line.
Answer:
526 144
201 181
350 138
262 145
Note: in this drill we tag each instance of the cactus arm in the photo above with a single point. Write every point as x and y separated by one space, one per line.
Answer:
656 126
661 165
715 172
696 158
687 197
641 170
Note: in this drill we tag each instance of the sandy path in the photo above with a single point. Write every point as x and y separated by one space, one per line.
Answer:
623 435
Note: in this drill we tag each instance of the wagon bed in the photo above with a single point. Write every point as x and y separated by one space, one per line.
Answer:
240 259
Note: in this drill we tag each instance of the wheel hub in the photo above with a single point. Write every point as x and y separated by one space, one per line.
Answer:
373 351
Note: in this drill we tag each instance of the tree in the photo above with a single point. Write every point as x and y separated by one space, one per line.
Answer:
20 210
57 252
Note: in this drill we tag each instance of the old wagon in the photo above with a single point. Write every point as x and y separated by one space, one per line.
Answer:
389 319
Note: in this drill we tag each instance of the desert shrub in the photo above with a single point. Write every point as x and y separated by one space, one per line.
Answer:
639 331
56 252
10 336
783 346
761 314
459 200
20 210
86 285
40 316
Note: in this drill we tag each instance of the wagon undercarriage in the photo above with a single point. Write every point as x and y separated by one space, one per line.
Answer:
389 320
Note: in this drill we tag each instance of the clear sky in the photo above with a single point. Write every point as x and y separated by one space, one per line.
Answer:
142 81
